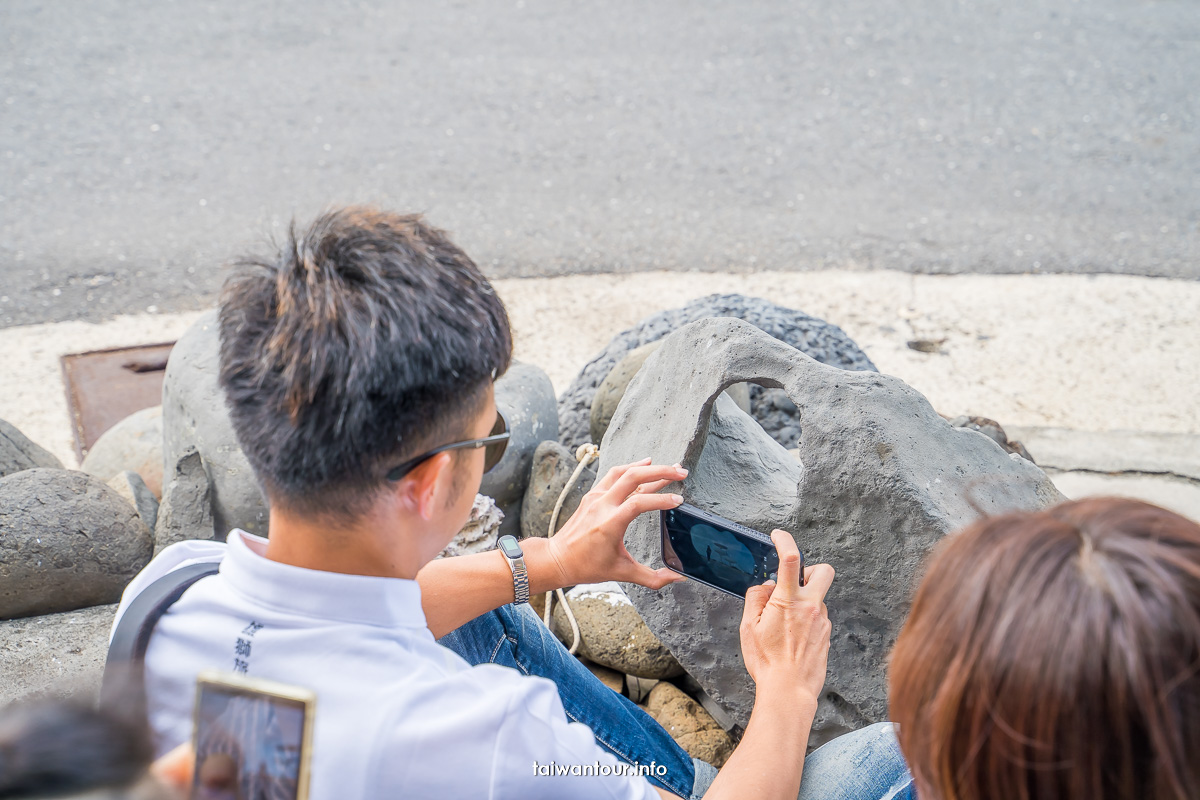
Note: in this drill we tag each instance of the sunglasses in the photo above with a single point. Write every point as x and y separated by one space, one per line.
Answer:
494 444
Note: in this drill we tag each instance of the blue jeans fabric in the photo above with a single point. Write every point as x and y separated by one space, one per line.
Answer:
864 765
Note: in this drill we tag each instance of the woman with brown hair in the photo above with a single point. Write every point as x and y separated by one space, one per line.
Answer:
1056 656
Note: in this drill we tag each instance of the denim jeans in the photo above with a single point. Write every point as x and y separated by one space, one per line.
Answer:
864 765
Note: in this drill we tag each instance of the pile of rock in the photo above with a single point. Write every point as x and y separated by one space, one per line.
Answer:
874 478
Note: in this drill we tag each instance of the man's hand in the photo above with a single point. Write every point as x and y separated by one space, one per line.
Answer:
785 626
590 547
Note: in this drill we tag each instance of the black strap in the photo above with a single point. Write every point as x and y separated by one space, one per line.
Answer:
123 669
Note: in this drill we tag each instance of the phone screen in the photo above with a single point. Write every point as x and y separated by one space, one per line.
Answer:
713 551
250 743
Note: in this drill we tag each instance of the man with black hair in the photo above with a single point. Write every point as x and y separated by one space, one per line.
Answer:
358 367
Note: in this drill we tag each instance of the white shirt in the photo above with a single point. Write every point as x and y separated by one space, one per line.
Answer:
397 714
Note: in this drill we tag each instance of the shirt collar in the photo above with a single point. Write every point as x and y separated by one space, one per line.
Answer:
369 600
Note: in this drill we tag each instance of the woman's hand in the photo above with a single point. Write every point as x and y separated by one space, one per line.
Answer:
785 627
590 547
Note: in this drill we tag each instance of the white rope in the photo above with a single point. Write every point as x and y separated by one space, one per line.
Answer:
584 455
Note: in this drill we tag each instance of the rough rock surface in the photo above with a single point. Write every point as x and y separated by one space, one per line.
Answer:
480 532
525 396
130 485
135 443
59 653
611 632
821 340
17 452
692 728
194 418
67 541
552 468
880 479
186 511
612 389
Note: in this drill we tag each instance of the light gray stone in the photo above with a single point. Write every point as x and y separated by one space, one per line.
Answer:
525 396
135 443
186 511
481 531
54 653
17 452
195 418
994 431
553 466
67 541
130 485
821 340
879 480
611 633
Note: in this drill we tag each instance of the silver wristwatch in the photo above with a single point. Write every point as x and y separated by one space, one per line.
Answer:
516 562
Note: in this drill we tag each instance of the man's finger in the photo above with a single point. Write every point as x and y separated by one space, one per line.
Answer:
756 600
637 504
639 474
652 578
789 564
819 579
605 483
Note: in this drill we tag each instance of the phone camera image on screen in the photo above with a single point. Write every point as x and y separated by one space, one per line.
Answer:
713 551
249 743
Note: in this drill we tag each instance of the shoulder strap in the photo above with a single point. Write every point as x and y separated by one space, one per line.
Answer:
123 675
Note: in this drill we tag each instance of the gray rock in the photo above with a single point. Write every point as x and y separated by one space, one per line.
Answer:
612 634
130 485
135 443
186 511
880 479
525 396
67 541
17 452
821 340
195 418
481 531
612 389
994 431
553 465
55 653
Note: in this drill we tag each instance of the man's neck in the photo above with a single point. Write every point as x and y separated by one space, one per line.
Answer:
366 546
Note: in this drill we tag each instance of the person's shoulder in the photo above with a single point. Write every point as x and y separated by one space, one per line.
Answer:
173 557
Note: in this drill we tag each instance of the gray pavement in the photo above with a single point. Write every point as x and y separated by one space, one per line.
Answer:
144 142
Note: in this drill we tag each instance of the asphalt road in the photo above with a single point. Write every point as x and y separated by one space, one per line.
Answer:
142 143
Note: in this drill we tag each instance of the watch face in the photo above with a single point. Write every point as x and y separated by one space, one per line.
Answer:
510 548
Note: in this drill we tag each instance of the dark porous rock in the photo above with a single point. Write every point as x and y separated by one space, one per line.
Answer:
17 452
194 417
67 541
692 728
186 511
135 443
525 396
131 486
54 654
553 465
821 340
993 430
880 479
611 633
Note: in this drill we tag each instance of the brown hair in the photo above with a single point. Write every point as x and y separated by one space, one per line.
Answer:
1056 655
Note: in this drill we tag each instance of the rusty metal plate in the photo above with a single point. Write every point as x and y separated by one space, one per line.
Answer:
106 386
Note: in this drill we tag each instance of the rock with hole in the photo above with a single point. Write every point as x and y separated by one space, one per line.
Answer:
823 341
879 480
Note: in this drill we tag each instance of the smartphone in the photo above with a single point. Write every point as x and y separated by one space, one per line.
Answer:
718 552
252 738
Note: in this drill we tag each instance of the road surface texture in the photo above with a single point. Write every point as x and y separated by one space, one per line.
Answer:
144 142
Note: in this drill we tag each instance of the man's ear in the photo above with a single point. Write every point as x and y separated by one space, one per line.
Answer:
420 488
